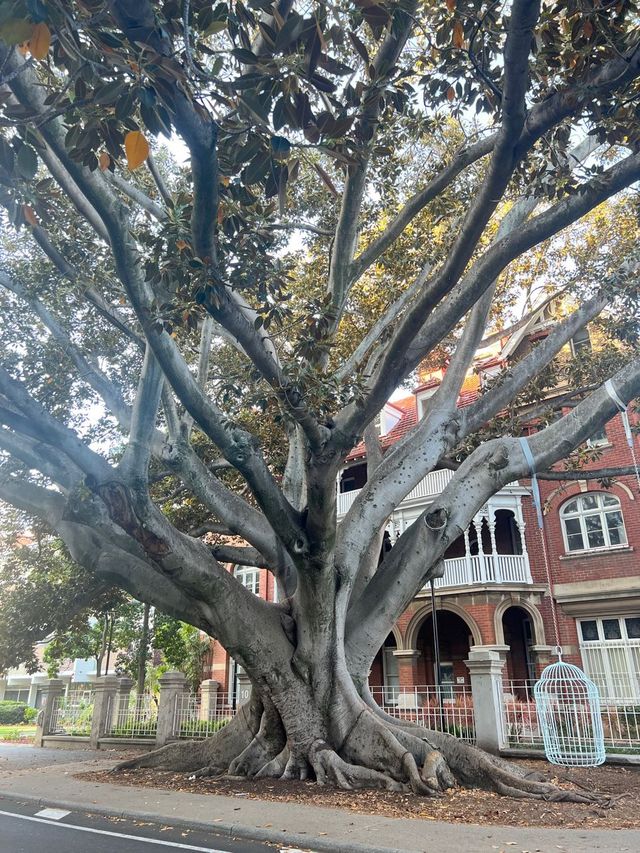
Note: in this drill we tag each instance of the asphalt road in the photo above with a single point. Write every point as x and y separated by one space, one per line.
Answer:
24 828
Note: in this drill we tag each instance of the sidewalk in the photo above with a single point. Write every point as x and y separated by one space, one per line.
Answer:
305 826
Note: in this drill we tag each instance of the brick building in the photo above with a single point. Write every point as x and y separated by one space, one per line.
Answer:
494 591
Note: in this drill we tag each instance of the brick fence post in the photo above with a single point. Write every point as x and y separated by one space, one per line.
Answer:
209 699
104 708
485 667
51 691
172 686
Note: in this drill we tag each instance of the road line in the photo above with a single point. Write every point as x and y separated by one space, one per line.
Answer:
143 838
52 814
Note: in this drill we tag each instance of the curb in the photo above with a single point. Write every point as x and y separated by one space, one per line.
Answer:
230 830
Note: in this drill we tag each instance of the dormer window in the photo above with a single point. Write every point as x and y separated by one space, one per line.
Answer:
581 342
423 400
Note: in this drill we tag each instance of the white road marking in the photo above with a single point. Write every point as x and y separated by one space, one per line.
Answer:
143 838
53 814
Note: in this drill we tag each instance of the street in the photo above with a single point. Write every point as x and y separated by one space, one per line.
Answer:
25 828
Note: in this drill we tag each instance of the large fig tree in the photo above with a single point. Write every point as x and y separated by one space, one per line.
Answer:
207 326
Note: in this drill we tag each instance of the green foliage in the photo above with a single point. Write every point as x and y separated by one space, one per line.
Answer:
201 728
30 714
13 712
145 730
182 646
42 591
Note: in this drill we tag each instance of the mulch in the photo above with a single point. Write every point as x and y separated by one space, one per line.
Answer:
622 784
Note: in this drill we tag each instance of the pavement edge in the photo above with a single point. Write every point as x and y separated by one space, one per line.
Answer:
230 830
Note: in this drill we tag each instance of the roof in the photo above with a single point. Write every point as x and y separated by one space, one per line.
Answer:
470 392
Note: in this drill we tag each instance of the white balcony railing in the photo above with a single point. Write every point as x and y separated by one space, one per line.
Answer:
429 487
485 568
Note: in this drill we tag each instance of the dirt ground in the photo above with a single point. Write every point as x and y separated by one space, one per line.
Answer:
622 784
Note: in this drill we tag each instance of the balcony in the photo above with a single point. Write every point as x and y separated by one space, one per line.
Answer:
485 569
429 487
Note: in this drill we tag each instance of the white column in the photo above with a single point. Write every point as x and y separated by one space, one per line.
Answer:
477 523
467 556
521 525
495 562
485 668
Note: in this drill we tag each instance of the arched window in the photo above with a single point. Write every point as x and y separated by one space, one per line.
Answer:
593 520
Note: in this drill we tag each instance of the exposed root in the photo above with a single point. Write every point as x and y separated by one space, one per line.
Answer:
275 768
208 757
436 773
373 745
475 768
297 767
267 744
330 768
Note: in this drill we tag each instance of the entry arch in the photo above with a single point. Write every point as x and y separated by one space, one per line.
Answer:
413 628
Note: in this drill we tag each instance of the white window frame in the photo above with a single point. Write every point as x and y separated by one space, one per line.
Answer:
598 439
582 514
423 399
628 647
249 577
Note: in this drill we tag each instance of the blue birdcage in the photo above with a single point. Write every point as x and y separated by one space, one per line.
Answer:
568 706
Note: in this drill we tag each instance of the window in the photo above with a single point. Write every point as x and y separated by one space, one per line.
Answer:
581 341
610 648
423 400
16 695
249 577
598 439
593 520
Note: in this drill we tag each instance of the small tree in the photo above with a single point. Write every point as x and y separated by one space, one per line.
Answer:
236 368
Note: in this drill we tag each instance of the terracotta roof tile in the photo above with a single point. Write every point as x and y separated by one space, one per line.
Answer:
410 418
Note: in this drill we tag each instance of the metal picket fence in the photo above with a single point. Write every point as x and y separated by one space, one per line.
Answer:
448 708
71 716
193 719
620 720
136 717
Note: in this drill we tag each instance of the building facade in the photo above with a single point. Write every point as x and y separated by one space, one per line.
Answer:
495 591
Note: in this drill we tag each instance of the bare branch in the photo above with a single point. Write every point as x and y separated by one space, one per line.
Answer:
239 556
135 461
160 184
136 195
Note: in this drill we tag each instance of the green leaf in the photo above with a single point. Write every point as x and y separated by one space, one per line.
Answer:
27 162
215 27
15 30
280 146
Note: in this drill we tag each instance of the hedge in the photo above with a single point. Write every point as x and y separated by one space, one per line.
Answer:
13 712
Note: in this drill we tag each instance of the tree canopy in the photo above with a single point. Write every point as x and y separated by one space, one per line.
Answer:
232 231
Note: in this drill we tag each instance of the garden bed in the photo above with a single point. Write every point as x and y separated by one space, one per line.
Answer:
622 784
23 733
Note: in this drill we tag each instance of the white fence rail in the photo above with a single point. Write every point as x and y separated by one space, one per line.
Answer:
71 716
485 568
433 484
445 709
195 718
134 716
620 720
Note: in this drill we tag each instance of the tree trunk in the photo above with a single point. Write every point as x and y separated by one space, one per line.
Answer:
307 719
143 650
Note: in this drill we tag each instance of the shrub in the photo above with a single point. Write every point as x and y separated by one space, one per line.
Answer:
30 714
12 712
134 730
200 728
